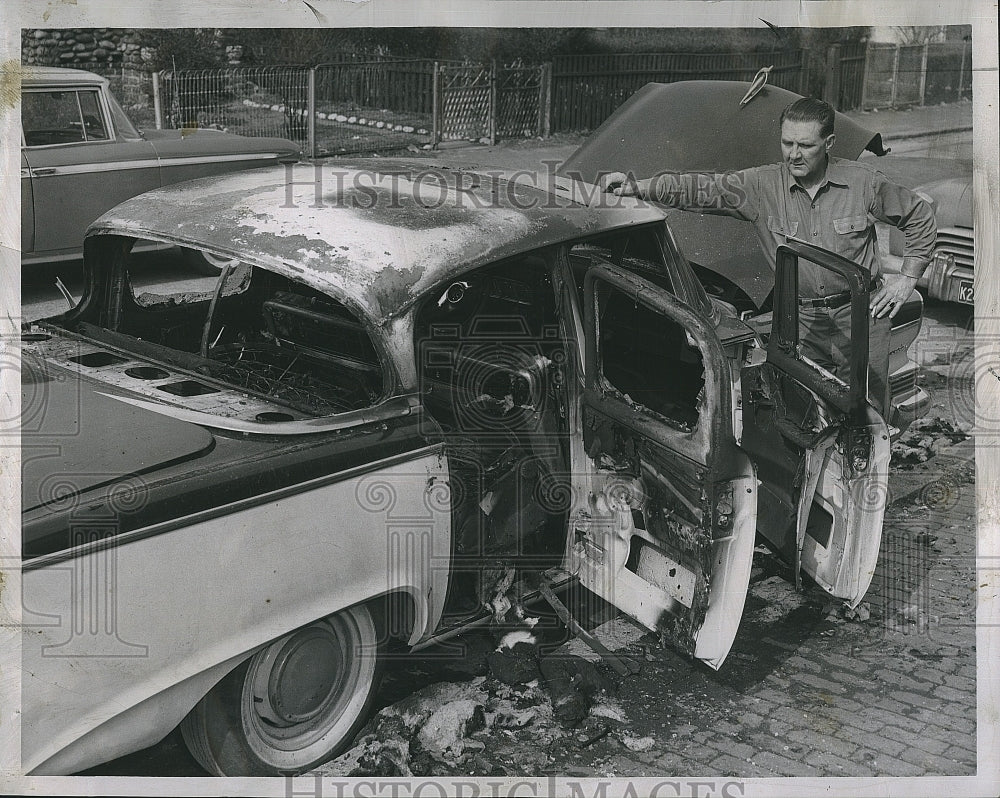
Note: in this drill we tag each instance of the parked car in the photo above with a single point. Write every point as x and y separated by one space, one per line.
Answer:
412 395
950 276
81 155
387 406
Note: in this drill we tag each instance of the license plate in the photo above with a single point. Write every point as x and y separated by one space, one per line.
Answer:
965 292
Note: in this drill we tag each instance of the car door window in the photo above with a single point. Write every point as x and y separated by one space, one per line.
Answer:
649 361
65 116
822 449
664 524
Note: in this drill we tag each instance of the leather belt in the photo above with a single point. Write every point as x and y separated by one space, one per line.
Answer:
831 301
836 300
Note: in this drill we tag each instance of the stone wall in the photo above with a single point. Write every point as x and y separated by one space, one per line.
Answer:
83 47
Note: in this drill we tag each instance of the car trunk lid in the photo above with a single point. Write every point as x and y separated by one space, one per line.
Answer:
96 439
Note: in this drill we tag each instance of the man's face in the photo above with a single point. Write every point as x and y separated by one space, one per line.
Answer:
804 149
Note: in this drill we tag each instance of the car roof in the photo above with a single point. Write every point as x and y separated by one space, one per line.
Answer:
31 75
375 233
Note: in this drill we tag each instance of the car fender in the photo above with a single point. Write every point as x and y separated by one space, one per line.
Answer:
121 641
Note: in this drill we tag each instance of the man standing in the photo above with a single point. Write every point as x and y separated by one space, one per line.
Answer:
825 201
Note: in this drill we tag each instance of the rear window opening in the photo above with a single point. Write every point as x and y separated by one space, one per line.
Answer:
253 330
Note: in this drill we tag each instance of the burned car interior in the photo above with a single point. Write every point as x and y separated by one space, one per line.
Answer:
493 365
449 412
489 354
248 330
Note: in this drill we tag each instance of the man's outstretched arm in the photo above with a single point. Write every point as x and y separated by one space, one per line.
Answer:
724 193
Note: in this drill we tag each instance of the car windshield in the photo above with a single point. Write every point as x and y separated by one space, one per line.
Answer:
125 127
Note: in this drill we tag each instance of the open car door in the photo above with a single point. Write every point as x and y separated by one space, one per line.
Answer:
664 501
821 450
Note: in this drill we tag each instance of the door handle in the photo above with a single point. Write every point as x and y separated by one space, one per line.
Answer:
44 171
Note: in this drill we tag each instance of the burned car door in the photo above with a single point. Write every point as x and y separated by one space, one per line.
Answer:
821 450
664 501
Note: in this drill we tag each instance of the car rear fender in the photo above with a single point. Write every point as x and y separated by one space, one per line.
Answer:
121 641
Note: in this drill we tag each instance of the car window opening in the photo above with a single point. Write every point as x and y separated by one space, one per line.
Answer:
62 117
262 333
489 353
650 360
639 251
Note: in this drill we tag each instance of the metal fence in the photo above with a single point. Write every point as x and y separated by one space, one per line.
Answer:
378 105
899 75
949 73
386 104
586 89
357 106
466 103
401 84
252 101
522 101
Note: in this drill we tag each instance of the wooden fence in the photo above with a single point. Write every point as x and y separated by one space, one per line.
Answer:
852 75
356 104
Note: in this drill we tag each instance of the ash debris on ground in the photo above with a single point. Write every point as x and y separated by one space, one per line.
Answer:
925 438
547 700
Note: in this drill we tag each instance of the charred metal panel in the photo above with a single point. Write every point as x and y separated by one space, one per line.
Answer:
375 236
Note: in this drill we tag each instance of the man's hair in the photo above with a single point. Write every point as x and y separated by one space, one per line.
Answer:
809 109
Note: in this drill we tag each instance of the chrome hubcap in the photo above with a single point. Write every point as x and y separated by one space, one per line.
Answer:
296 680
302 694
304 674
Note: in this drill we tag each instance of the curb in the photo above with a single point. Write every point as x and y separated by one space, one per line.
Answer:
927 133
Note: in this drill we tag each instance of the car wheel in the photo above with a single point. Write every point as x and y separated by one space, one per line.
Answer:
205 262
293 705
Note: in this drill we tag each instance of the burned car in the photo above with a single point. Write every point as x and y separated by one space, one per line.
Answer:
81 155
722 126
413 395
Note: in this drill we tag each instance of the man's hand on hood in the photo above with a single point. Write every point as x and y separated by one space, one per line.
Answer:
622 185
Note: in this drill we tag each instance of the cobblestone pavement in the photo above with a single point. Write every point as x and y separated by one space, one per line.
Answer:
813 694
808 690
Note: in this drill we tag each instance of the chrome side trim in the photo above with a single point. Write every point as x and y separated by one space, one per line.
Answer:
149 163
199 159
227 509
394 407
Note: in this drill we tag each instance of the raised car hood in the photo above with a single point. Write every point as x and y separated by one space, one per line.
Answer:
699 125
95 439
953 201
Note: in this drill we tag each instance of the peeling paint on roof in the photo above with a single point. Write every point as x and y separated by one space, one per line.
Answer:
376 234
